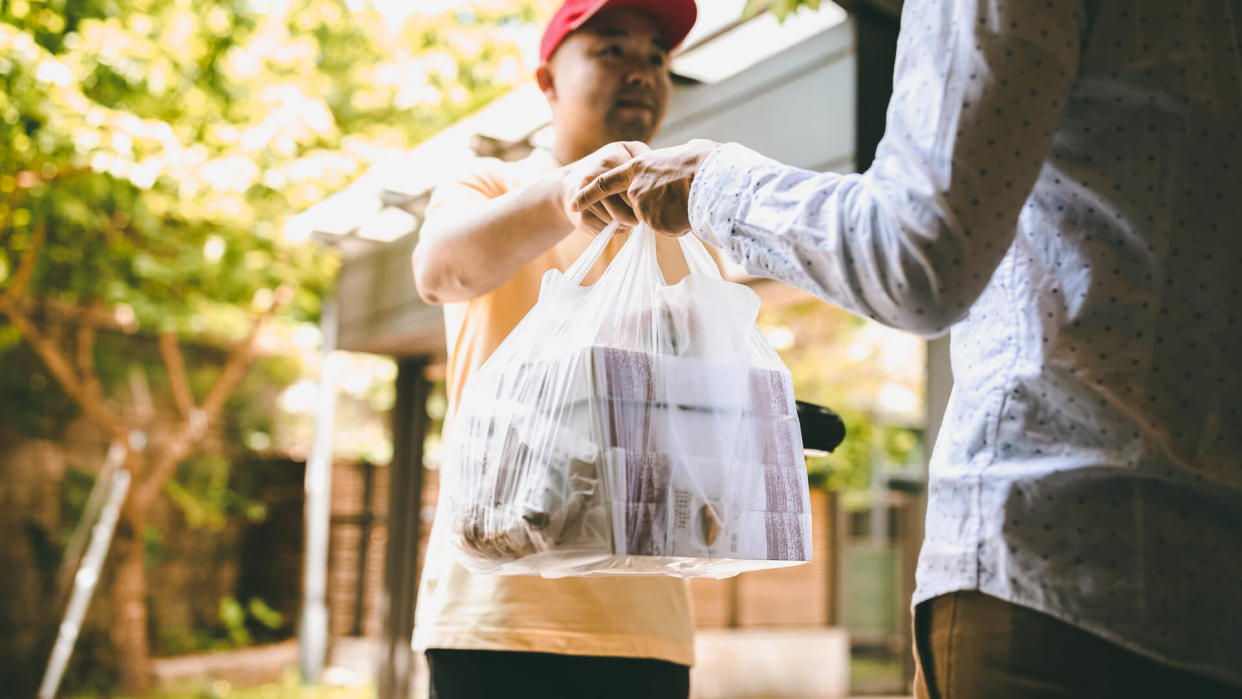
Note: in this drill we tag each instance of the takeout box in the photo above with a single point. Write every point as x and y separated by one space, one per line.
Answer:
625 461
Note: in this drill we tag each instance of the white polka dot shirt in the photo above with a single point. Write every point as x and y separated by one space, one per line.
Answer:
1060 183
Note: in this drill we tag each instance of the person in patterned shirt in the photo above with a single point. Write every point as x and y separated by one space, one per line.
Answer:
1058 186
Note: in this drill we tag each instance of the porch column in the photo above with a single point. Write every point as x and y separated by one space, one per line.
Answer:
405 490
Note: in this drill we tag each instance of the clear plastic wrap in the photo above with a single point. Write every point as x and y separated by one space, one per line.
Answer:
630 427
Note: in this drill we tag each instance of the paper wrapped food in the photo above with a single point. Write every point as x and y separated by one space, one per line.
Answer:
630 427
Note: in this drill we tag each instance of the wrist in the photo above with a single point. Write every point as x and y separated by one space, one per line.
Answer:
555 197
700 204
701 150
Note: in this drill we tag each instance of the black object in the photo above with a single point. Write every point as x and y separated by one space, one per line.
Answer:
483 674
822 429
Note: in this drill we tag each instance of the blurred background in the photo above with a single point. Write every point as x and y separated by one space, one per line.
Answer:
220 396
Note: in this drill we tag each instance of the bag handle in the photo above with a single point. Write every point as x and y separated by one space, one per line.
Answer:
579 269
698 260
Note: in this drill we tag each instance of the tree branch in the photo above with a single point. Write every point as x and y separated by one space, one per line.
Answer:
54 359
194 428
91 387
163 466
84 387
25 269
174 363
140 392
72 313
234 369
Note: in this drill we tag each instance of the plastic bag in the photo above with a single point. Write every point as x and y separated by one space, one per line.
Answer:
630 427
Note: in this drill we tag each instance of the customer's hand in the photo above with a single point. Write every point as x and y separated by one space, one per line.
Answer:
604 210
655 184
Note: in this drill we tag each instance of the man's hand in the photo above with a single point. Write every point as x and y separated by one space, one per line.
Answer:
603 210
655 184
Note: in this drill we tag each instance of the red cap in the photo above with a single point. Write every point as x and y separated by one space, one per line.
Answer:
675 18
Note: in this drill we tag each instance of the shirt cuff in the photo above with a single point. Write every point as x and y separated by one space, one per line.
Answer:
719 190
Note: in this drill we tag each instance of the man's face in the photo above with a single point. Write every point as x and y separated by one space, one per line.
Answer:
610 77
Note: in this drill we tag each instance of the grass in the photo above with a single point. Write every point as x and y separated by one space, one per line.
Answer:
875 676
288 688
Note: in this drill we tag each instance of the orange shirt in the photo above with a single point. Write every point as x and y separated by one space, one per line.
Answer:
640 617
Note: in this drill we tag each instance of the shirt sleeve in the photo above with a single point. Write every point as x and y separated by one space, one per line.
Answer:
978 89
477 181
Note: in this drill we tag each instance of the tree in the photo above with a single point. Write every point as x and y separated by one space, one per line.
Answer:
784 8
151 150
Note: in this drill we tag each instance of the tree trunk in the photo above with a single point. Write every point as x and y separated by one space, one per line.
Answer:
129 601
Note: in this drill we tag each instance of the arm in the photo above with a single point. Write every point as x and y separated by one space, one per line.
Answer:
912 242
471 243
474 244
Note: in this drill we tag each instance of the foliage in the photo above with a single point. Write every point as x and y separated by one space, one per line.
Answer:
871 376
30 402
781 8
160 143
150 152
234 616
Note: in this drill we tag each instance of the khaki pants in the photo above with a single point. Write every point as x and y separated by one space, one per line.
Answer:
968 645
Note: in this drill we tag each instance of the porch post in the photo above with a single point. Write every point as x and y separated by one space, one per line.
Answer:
405 488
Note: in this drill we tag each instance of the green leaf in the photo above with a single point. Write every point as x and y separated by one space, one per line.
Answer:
264 614
233 616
